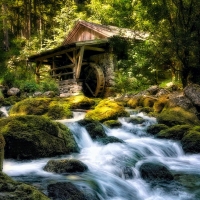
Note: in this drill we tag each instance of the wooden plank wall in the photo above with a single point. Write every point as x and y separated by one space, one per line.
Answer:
84 34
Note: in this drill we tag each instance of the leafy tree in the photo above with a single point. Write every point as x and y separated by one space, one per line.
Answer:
174 30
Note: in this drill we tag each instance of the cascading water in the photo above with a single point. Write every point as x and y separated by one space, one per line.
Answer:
114 168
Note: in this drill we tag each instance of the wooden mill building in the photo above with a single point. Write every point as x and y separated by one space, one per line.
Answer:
85 61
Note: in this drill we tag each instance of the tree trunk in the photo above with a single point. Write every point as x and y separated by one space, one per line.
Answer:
5 29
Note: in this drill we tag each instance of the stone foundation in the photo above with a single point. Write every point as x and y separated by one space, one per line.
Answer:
70 87
107 62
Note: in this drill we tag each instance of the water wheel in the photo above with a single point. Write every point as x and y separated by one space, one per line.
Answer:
94 81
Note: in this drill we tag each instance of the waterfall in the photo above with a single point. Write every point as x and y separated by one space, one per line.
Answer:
114 168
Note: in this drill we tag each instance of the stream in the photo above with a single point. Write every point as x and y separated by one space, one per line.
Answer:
113 169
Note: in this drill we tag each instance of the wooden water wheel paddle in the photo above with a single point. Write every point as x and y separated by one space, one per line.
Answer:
94 80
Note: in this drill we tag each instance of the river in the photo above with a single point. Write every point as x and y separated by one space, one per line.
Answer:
114 168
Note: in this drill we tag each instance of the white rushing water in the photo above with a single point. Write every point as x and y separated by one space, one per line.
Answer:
109 164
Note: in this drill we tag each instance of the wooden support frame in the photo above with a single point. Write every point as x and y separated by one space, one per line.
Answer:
80 59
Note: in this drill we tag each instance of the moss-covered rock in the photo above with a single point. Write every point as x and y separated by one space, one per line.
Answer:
147 101
176 132
136 120
65 166
65 190
155 172
133 102
53 108
109 139
2 144
177 116
31 136
146 109
156 128
80 101
106 110
160 103
190 142
12 190
112 123
94 128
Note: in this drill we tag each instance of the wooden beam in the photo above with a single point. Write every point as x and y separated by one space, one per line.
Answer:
61 74
63 67
90 42
94 48
55 54
78 70
70 57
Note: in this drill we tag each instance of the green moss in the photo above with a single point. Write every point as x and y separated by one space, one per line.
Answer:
176 132
11 189
65 166
191 141
52 108
146 109
177 116
34 137
112 124
80 102
95 129
58 110
133 102
146 101
160 103
136 120
156 128
106 110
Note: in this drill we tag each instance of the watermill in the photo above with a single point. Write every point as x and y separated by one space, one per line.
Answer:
84 62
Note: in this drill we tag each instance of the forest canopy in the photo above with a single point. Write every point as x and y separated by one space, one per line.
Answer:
171 51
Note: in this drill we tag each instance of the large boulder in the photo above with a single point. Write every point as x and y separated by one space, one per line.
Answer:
181 101
2 144
113 124
156 128
65 166
191 140
94 128
109 139
67 190
192 92
107 110
13 190
29 137
52 108
80 102
176 132
13 91
155 172
177 116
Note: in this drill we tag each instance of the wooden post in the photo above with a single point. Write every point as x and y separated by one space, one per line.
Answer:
75 64
80 59
2 144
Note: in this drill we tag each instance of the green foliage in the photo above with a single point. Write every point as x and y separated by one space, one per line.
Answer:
29 86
